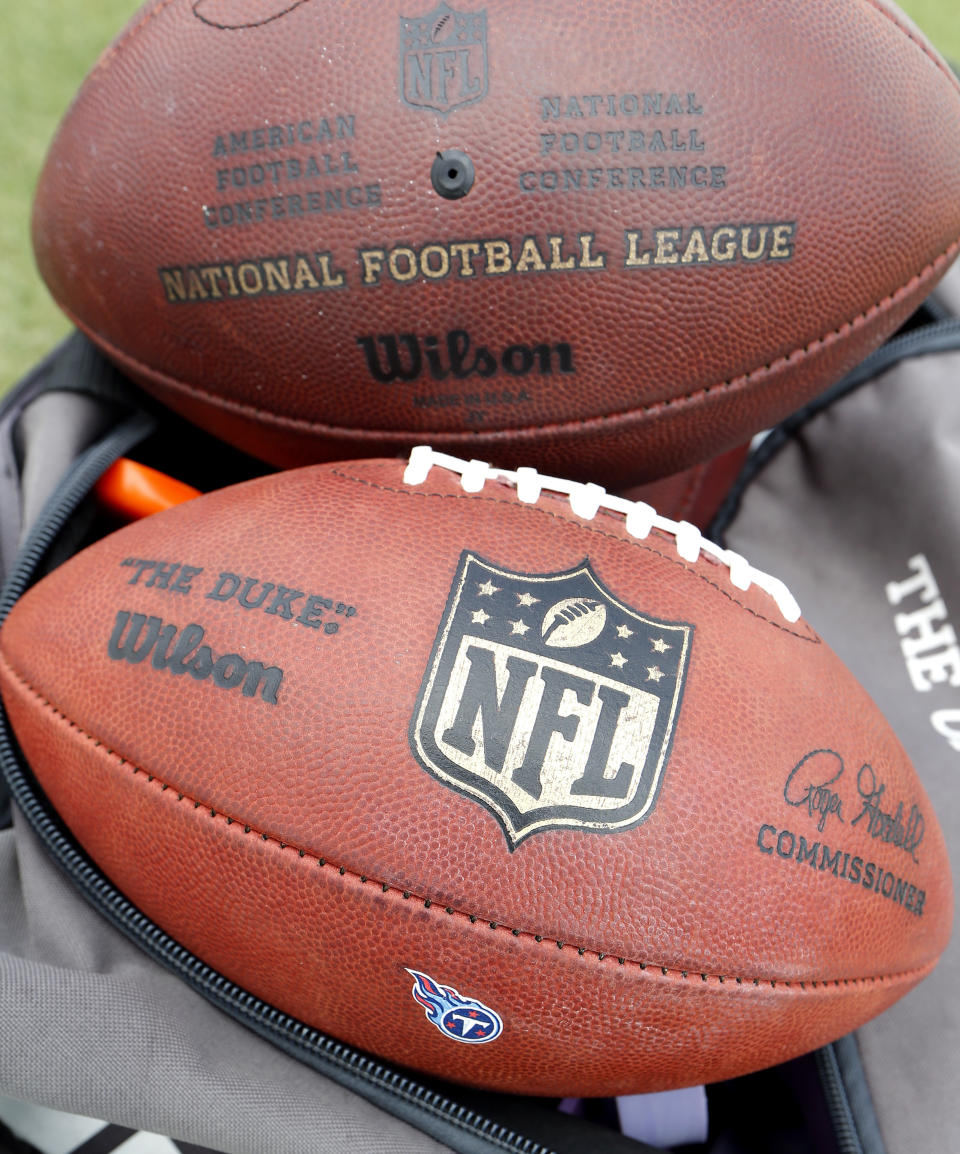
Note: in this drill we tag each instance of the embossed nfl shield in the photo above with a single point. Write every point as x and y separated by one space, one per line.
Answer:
548 700
443 59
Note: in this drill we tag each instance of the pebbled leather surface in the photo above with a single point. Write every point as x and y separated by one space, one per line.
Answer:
695 494
836 118
302 850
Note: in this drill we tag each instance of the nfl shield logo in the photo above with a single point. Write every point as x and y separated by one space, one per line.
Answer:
549 701
443 59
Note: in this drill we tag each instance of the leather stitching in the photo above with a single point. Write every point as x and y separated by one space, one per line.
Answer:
655 970
317 428
590 526
920 43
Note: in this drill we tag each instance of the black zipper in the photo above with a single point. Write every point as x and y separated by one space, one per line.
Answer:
849 1102
842 1077
431 1111
460 1127
838 1103
941 337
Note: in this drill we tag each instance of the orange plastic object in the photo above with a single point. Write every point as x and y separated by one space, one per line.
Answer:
131 490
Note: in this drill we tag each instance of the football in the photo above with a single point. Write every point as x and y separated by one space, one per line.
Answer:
493 775
610 243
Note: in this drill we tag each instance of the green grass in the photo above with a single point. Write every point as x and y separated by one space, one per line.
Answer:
48 47
940 19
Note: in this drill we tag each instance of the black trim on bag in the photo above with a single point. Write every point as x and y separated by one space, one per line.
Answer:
944 336
848 1099
471 1126
839 1065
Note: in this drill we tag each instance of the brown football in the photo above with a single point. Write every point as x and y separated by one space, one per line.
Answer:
612 241
490 774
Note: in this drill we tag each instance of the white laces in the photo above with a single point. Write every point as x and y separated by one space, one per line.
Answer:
586 500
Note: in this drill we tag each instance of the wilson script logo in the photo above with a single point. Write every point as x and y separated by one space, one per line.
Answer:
136 638
406 357
549 701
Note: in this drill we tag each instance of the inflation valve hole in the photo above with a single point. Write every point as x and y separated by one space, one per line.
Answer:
452 173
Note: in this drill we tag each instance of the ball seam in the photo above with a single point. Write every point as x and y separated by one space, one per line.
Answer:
920 42
281 421
673 973
129 34
590 526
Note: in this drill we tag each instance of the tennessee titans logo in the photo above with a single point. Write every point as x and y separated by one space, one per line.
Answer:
460 1018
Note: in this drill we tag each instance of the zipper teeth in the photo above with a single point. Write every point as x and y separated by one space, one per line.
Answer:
838 1104
305 1041
940 337
63 502
936 335
225 993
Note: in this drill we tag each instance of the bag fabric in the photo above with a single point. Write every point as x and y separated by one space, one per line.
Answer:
93 1026
855 504
89 1024
838 502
